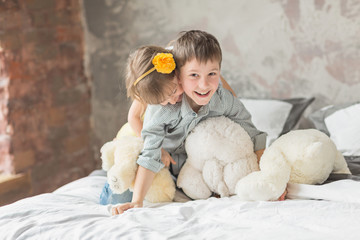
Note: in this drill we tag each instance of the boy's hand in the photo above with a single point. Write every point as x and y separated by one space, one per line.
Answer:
120 209
166 158
259 153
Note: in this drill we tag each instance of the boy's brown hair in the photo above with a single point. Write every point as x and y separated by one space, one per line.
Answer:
154 87
196 44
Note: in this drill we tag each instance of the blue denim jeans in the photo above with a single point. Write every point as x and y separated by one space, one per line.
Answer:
108 197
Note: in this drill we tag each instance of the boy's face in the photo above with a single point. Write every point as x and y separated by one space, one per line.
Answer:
199 81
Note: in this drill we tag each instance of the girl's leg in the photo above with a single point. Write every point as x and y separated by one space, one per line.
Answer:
108 197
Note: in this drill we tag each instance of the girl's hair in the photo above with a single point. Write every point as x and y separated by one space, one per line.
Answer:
154 87
196 44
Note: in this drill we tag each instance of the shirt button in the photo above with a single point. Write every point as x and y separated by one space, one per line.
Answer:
194 114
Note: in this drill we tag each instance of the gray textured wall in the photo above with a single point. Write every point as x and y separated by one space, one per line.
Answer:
271 48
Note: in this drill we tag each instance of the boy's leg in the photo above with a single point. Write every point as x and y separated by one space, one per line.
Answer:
108 197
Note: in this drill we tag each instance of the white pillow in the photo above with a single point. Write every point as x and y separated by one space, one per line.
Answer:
344 128
268 116
276 116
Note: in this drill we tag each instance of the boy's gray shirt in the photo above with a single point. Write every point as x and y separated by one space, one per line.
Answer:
168 126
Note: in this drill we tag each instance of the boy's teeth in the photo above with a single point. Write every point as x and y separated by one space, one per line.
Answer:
202 93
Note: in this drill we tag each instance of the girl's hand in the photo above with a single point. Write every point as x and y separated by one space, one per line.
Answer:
120 209
166 158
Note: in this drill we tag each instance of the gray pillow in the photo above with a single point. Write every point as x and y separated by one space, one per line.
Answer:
299 105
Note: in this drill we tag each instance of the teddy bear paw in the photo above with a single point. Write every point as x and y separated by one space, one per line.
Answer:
116 185
223 190
259 187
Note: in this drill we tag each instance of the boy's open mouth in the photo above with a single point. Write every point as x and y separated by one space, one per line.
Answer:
205 94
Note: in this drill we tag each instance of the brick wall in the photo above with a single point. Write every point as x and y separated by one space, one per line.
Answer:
44 94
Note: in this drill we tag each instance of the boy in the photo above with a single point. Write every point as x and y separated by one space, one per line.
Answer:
198 57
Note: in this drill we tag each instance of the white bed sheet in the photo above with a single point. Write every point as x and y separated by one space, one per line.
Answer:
73 212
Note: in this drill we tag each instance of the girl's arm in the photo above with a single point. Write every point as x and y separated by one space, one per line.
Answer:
143 181
134 116
227 86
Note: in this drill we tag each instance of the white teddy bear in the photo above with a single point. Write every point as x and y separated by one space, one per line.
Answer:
220 153
221 159
119 160
300 156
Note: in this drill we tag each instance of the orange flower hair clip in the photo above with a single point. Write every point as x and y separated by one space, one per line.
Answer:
163 63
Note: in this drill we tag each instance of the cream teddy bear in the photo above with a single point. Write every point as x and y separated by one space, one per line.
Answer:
220 153
119 160
300 156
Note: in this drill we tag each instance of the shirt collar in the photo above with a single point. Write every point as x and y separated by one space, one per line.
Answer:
185 107
186 110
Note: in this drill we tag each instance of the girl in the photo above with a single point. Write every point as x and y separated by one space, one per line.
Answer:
150 79
147 86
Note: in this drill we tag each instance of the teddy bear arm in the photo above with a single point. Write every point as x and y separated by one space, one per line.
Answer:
120 179
258 186
122 174
107 155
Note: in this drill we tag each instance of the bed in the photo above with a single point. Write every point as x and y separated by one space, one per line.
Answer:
327 211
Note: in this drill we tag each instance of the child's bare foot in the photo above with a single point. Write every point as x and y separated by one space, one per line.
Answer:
283 196
215 195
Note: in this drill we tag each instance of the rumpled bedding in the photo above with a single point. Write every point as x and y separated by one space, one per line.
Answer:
73 212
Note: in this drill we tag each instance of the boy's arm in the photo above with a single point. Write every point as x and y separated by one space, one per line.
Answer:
237 112
227 86
134 116
143 181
